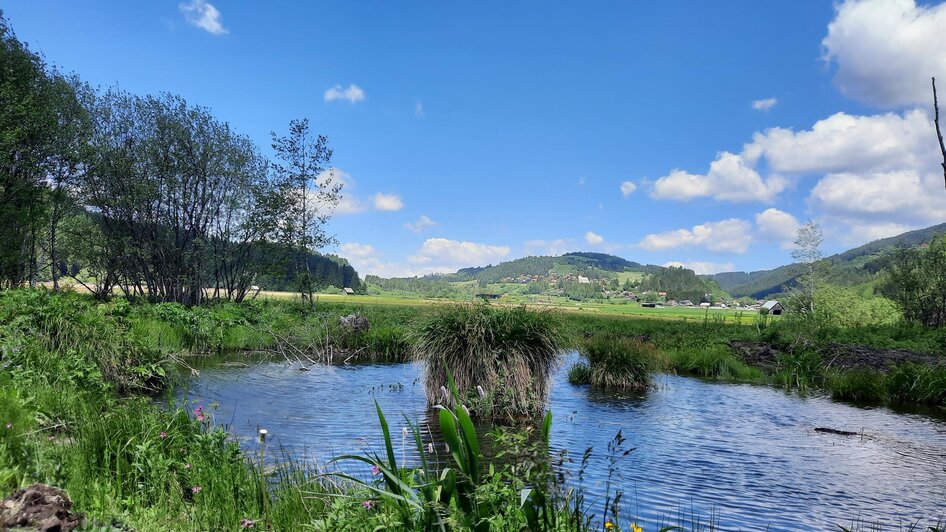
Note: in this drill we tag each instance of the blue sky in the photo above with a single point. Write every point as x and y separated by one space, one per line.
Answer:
697 133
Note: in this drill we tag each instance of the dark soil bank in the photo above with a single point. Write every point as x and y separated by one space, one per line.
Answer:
839 356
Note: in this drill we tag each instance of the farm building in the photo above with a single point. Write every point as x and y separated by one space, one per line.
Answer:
583 280
349 292
773 307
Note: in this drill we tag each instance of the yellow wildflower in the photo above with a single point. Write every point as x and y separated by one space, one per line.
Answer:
608 525
635 528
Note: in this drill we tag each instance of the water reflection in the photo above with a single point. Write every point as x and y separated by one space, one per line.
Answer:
748 454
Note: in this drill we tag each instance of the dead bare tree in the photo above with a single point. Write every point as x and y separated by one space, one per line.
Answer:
939 133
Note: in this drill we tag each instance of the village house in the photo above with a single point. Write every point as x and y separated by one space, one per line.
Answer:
773 307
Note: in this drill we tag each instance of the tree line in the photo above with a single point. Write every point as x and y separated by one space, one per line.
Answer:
153 196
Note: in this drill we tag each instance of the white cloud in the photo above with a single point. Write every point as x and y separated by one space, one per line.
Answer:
354 250
902 197
725 236
387 202
627 188
730 178
558 246
764 105
203 15
777 226
353 93
593 239
848 143
450 255
419 109
348 203
422 223
702 268
366 261
582 181
879 170
887 50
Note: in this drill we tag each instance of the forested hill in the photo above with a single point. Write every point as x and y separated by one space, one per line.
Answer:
854 266
592 265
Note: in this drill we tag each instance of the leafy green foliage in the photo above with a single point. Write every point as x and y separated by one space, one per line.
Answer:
916 280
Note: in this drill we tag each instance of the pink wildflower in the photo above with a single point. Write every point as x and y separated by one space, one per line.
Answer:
375 470
247 523
196 489
163 435
367 505
199 413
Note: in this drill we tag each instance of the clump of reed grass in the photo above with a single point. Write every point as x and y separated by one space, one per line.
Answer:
713 361
501 358
857 385
621 362
579 373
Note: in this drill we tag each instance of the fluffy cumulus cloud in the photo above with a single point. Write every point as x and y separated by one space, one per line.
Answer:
203 15
420 225
731 177
725 236
703 268
885 51
869 171
387 202
628 188
593 238
765 104
348 203
367 261
777 226
353 93
348 200
445 255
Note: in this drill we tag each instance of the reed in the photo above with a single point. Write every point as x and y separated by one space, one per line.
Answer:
501 358
621 362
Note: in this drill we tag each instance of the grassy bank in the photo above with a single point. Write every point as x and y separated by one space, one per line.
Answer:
76 378
74 382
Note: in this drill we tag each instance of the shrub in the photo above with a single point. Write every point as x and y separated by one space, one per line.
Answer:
501 358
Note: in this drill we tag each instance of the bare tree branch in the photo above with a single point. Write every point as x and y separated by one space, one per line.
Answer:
939 133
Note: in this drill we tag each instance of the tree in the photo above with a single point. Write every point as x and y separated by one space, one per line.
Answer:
916 280
179 197
38 115
311 190
808 252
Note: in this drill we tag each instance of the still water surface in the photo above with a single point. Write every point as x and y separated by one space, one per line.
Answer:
746 456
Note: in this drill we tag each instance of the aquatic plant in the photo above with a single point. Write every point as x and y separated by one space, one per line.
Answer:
621 362
508 352
579 373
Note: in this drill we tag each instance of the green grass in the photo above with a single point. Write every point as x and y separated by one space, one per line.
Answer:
621 362
501 358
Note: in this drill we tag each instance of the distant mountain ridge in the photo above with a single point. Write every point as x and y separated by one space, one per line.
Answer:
849 267
586 263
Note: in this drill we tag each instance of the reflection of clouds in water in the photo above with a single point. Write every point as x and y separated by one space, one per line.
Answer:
747 453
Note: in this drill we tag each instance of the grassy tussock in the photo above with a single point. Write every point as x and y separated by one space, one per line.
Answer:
508 353
621 362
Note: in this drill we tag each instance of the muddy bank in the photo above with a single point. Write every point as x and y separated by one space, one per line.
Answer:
839 356
39 507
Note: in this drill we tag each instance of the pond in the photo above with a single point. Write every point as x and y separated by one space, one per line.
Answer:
747 457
